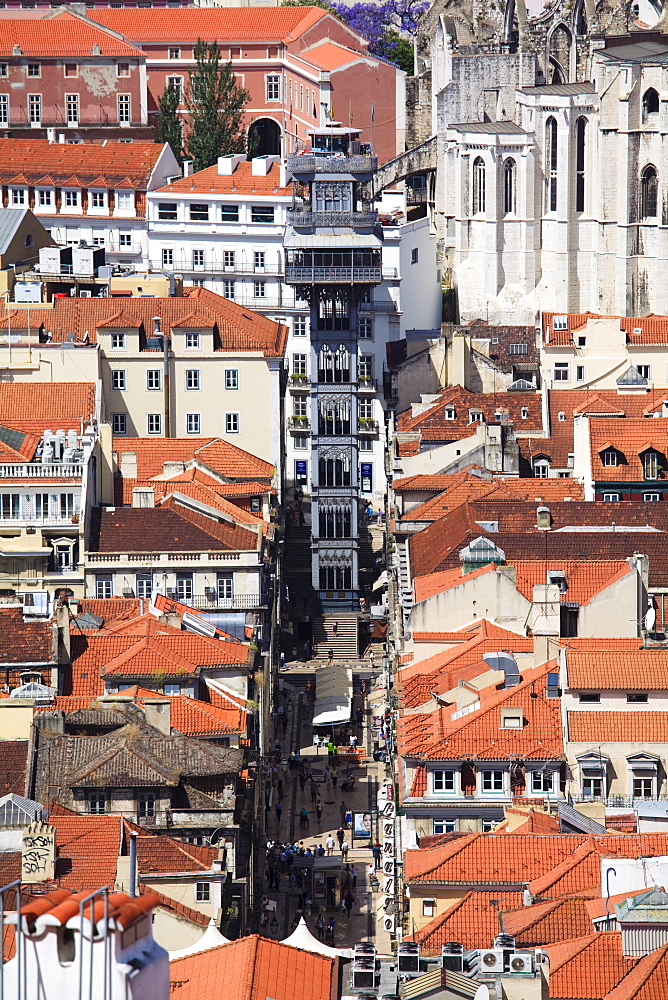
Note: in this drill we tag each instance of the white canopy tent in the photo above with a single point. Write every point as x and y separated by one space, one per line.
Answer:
211 938
334 695
301 937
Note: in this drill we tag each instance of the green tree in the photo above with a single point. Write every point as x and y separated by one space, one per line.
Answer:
398 50
311 3
216 108
168 126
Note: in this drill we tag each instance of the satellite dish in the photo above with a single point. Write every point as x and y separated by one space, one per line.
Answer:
482 993
650 619
408 636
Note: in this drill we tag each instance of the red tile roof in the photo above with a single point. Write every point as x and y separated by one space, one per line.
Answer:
596 908
63 35
13 767
630 438
241 182
178 909
547 923
221 457
166 529
253 968
330 56
87 849
25 642
654 329
648 980
472 921
110 609
617 669
587 968
117 161
618 727
193 717
235 24
159 853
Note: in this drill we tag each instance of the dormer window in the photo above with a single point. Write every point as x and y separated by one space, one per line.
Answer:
125 201
512 718
650 461
561 415
610 457
525 412
557 578
450 413
541 467
475 416
19 198
560 322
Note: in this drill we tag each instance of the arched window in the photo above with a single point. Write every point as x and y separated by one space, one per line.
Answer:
650 104
509 186
648 192
551 161
478 185
580 141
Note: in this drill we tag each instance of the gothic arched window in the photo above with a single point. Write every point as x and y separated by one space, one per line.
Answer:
648 192
580 140
551 162
478 185
509 186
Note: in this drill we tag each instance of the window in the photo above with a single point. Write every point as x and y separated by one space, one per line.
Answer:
228 260
643 788
104 587
258 260
35 108
198 258
300 406
492 781
475 416
34 69
4 69
192 379
299 326
71 69
645 371
72 109
579 373
231 378
589 697
450 413
167 256
154 423
176 83
125 201
184 586
592 787
118 379
9 505
146 804
143 584
45 198
519 348
443 781
648 192
173 53
650 464
651 497
478 185
119 423
542 781
580 139
509 175
611 497
300 442
167 211
153 379
561 371
299 364
71 199
414 255
259 289
192 341
650 105
365 328
262 213
203 892
199 212
230 213
610 457
122 69
525 412
193 423
18 196
445 826
231 423
637 698
125 241
118 341
67 505
98 199
273 88
429 908
97 802
4 109
551 162
541 467
225 586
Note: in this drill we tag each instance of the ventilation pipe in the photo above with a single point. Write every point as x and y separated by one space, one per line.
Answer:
157 332
133 863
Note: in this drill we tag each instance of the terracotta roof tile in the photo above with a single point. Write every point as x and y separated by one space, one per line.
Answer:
617 669
221 457
472 921
25 642
164 529
648 980
234 24
252 968
193 717
618 727
547 923
587 968
330 55
13 767
241 182
62 35
116 160
630 438
654 329
433 426
178 909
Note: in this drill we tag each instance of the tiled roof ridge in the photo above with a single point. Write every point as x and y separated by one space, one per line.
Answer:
443 852
572 948
587 847
637 977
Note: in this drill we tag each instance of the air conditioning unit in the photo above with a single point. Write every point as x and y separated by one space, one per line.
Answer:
364 973
452 956
409 957
491 961
521 962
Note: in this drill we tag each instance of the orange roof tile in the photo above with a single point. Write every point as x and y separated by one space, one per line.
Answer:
193 717
654 329
433 426
587 968
63 35
216 454
472 921
648 980
234 24
116 160
253 968
636 669
618 727
630 438
547 923
330 56
241 182
596 908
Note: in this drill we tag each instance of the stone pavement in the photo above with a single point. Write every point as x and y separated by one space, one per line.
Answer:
365 922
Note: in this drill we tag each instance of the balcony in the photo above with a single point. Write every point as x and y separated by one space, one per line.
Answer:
222 270
212 601
366 384
298 425
299 383
330 220
382 306
367 427
312 163
35 470
332 275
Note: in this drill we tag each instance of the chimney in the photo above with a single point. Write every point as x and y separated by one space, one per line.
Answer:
158 712
187 168
129 464
543 519
143 496
261 165
545 647
38 852
228 164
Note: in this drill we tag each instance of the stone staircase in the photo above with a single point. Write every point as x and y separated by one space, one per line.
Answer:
344 641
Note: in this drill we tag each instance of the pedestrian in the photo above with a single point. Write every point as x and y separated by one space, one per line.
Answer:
279 809
360 716
314 790
348 901
353 875
329 844
329 932
282 658
335 776
302 781
344 850
328 777
320 927
352 741
342 812
300 513
363 689
303 818
340 835
330 655
376 855
331 749
348 819
284 723
318 811
335 628
321 851
371 658
292 512
370 872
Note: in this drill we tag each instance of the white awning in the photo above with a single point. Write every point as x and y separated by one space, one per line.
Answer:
339 239
301 937
334 695
211 938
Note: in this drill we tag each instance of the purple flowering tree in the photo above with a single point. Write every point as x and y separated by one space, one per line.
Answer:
385 26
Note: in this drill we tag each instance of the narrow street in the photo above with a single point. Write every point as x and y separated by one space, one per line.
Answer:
326 889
